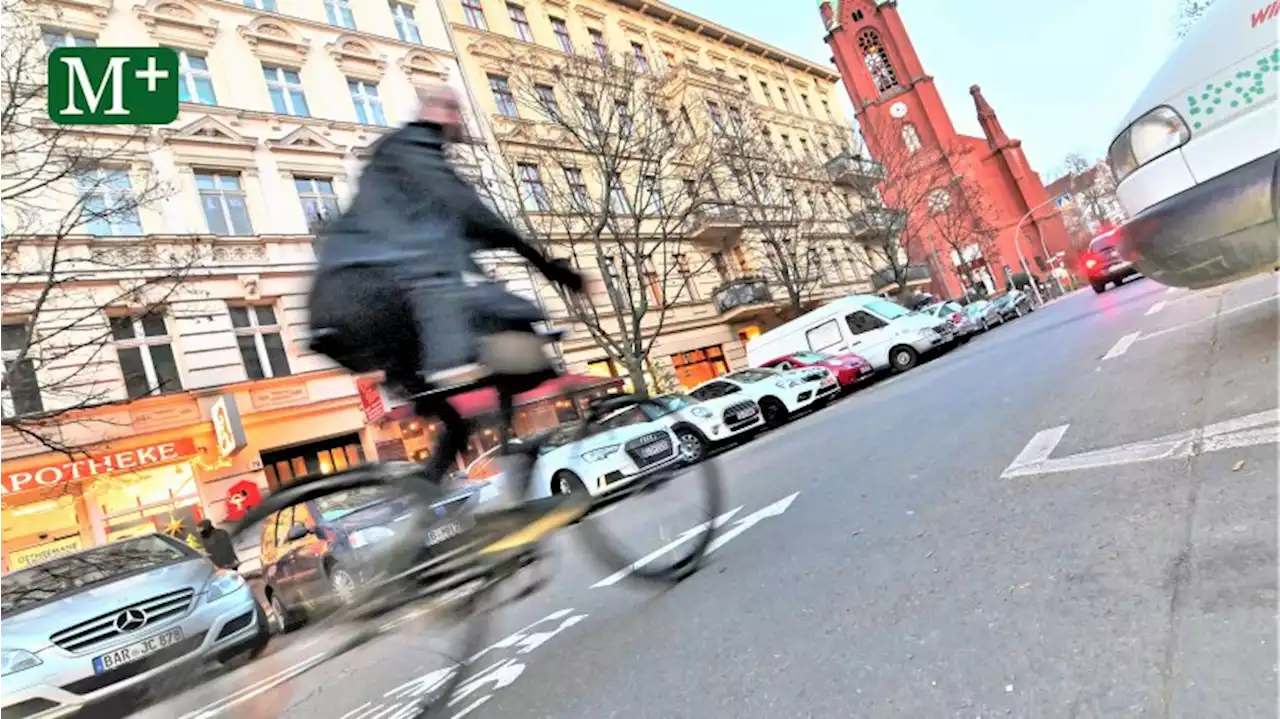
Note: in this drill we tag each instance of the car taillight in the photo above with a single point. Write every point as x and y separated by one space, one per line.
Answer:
956 317
1090 263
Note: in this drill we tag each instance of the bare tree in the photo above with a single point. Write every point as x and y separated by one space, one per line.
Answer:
590 165
72 201
961 222
1188 12
781 194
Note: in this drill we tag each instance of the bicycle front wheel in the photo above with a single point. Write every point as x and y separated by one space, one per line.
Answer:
657 491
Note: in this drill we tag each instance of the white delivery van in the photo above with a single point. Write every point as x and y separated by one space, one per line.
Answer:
882 332
1195 159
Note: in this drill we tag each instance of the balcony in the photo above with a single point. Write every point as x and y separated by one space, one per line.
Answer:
874 222
850 170
718 225
742 297
884 280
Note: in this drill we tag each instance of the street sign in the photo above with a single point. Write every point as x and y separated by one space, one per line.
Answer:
1062 201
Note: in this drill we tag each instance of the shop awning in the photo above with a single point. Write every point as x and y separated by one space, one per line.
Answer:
481 402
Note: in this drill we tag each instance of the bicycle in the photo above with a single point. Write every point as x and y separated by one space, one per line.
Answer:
461 575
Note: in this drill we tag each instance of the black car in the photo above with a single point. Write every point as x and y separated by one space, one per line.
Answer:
315 555
1103 263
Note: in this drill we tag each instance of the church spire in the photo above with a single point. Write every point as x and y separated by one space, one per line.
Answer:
987 118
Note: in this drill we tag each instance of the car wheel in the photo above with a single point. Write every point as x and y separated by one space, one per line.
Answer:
692 446
774 411
343 586
279 618
903 358
1099 288
566 482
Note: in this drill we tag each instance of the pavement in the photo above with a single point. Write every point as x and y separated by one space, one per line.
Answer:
1074 515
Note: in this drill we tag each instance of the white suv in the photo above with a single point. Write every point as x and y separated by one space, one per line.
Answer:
779 394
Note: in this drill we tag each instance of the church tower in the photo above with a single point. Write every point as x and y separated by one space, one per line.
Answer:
900 111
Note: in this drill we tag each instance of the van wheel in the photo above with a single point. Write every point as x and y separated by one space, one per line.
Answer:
903 358
774 411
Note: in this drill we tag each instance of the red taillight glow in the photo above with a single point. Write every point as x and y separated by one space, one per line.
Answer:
1091 263
956 317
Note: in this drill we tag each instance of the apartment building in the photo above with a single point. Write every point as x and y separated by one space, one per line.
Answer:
205 389
714 70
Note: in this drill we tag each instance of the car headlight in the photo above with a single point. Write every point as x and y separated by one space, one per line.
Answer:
1160 131
596 455
369 535
13 661
790 383
223 582
702 412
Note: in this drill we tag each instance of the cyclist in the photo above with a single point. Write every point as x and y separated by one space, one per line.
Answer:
395 288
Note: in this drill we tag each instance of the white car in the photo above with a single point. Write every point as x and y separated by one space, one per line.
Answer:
779 394
623 447
702 424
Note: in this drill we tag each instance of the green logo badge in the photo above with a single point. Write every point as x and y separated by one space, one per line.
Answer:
113 86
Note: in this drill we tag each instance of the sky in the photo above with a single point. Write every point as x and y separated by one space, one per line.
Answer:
1060 75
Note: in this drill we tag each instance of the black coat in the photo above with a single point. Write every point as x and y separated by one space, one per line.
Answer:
414 216
217 544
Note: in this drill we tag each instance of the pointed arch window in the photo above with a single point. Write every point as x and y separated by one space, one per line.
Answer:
910 138
876 59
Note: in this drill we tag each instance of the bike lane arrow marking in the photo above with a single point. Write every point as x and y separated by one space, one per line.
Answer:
751 520
685 536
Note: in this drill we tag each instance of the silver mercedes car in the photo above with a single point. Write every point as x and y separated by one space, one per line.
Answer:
82 628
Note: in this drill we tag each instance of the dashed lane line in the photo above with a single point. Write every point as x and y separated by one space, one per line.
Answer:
1155 308
1121 346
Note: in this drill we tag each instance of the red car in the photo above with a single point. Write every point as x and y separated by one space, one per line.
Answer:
849 369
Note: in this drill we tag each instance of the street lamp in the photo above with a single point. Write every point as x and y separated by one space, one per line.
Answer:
1061 201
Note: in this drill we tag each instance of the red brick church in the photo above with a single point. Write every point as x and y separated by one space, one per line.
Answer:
902 119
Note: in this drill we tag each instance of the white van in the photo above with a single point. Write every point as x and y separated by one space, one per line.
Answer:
880 331
1196 158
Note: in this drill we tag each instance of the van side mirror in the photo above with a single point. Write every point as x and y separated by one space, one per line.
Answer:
296 532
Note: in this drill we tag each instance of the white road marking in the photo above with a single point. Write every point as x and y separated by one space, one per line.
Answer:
1122 346
688 534
1155 308
255 689
1171 290
1249 430
752 520
1223 313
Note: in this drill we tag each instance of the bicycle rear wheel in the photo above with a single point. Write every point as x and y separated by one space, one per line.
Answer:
656 511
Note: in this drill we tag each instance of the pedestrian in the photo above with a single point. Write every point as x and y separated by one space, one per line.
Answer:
217 544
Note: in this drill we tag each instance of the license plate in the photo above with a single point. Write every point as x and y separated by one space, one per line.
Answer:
137 650
744 413
653 450
449 530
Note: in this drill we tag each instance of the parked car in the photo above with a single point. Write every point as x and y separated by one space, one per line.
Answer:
780 395
1196 157
984 313
964 326
83 627
1104 264
849 369
884 333
315 555
1014 304
701 424
620 449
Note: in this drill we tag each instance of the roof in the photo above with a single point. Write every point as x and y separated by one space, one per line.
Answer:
706 28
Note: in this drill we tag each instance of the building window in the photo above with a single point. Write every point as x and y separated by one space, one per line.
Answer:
502 96
54 39
319 201
764 93
652 193
876 60
577 187
520 21
338 12
406 24
224 205
195 82
21 393
835 262
547 101
146 354
258 336
804 102
698 366
597 42
535 193
285 88
717 119
805 149
364 97
618 195
107 203
654 282
625 124
826 108
910 137
590 110
786 101
686 276
288 465
267 5
474 14
562 34
642 60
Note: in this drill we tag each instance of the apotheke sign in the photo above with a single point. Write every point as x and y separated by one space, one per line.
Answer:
52 475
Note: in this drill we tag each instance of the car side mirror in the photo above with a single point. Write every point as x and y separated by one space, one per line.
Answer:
296 532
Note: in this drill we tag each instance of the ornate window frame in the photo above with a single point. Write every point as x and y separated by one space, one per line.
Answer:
178 23
422 68
356 58
274 42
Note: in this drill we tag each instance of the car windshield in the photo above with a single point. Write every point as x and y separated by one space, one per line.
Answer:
887 309
977 307
751 376
810 357
675 402
337 506
63 576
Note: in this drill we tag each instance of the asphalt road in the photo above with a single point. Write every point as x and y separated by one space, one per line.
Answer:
958 545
